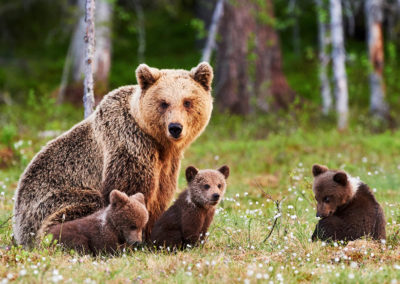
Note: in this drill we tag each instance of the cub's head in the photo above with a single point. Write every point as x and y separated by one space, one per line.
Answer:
332 189
206 187
173 106
128 215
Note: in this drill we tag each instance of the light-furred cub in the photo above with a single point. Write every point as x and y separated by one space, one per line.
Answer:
118 225
186 222
347 207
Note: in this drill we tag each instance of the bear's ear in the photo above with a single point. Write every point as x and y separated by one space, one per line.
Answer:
203 74
139 197
224 170
191 172
118 198
146 76
318 169
340 178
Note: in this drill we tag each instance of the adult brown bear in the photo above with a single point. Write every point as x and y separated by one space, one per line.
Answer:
133 142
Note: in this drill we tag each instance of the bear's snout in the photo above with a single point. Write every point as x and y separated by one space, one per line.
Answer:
175 129
215 197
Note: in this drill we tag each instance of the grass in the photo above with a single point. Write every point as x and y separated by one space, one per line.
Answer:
272 152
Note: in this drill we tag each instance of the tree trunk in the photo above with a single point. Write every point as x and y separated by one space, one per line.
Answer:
249 60
212 33
339 67
294 13
374 17
102 56
75 66
137 5
88 97
323 58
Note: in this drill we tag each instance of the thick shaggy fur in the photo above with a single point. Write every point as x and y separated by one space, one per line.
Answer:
125 144
118 225
186 222
347 206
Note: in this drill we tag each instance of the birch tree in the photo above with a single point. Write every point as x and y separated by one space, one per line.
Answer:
88 97
374 17
137 5
323 57
339 67
212 33
74 66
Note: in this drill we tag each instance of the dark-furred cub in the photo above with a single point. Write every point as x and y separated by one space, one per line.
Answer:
186 222
118 225
347 207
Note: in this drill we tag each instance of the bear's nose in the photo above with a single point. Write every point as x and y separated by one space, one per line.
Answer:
215 197
175 129
318 215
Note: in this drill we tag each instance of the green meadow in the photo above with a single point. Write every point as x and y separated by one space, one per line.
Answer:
270 159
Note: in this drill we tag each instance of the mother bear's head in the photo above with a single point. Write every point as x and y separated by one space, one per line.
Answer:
173 106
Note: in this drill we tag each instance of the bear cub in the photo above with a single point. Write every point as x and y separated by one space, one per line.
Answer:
347 206
186 222
117 225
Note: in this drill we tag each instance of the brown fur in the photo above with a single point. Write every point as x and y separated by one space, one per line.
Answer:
348 208
118 225
125 144
186 222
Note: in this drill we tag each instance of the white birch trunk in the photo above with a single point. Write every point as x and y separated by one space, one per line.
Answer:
339 67
78 45
210 44
102 56
88 97
374 17
64 78
141 30
323 59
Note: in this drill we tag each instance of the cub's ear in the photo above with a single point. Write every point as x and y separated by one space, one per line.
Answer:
146 76
318 169
224 170
191 172
203 74
138 197
118 198
340 178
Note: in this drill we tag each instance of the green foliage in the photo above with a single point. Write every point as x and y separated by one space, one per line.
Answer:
7 134
198 26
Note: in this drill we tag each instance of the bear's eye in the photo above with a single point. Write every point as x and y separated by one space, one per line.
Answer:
133 227
206 186
326 199
164 105
219 186
187 104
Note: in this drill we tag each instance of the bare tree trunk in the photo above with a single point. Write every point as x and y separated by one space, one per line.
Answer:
64 78
210 44
323 58
88 98
293 12
374 16
339 67
78 45
350 16
232 76
141 30
102 56
249 60
74 66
